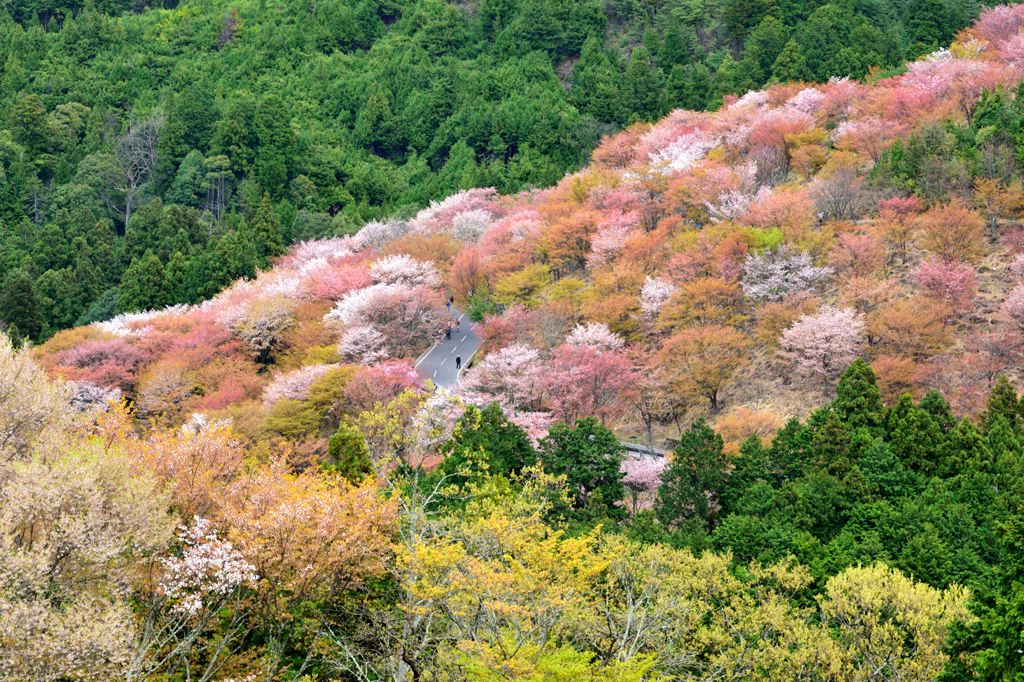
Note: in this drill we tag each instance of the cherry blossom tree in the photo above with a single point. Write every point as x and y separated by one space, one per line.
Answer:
263 327
363 344
654 294
195 464
198 604
404 270
293 385
823 345
78 527
307 536
511 376
1012 308
379 383
376 233
111 363
583 381
405 317
595 335
954 283
32 407
641 478
775 274
89 397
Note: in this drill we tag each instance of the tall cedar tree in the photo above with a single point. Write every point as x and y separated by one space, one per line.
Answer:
589 456
144 286
693 479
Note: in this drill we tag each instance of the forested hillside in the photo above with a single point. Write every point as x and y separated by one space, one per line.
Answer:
230 131
810 296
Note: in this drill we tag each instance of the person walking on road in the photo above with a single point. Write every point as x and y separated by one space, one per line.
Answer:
458 362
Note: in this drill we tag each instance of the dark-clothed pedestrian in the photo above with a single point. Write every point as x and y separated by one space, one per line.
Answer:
458 362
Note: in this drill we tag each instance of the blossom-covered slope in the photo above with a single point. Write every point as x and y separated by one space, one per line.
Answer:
731 263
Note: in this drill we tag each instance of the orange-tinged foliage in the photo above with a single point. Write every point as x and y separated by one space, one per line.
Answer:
705 301
952 231
306 532
743 422
699 361
914 328
896 375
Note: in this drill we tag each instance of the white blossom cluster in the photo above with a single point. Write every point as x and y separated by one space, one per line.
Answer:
469 226
293 385
350 308
807 100
376 233
595 334
655 293
87 396
364 344
208 566
131 324
403 269
773 275
686 150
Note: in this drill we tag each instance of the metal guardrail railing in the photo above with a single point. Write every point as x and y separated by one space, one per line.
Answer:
637 450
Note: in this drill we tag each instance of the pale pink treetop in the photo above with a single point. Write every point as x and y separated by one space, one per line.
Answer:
351 309
685 150
807 100
1000 23
655 293
477 204
822 346
583 381
209 568
363 344
536 424
316 249
1013 307
404 270
469 226
87 396
954 283
641 479
293 385
377 233
596 335
607 242
511 376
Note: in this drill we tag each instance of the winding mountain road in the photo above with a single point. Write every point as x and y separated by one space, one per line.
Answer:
438 363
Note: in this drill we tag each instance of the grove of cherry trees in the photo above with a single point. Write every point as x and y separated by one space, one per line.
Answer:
813 297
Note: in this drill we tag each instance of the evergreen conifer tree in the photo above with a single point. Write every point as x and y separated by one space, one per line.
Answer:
19 306
144 286
858 401
265 230
1002 402
589 456
673 49
790 65
698 467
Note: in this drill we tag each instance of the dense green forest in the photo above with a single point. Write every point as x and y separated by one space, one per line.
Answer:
185 145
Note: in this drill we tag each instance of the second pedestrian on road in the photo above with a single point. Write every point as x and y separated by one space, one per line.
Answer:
458 362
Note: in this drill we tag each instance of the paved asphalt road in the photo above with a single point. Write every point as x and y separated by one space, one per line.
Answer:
438 363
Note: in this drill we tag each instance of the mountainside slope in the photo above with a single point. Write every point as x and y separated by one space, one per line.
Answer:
887 209
198 129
